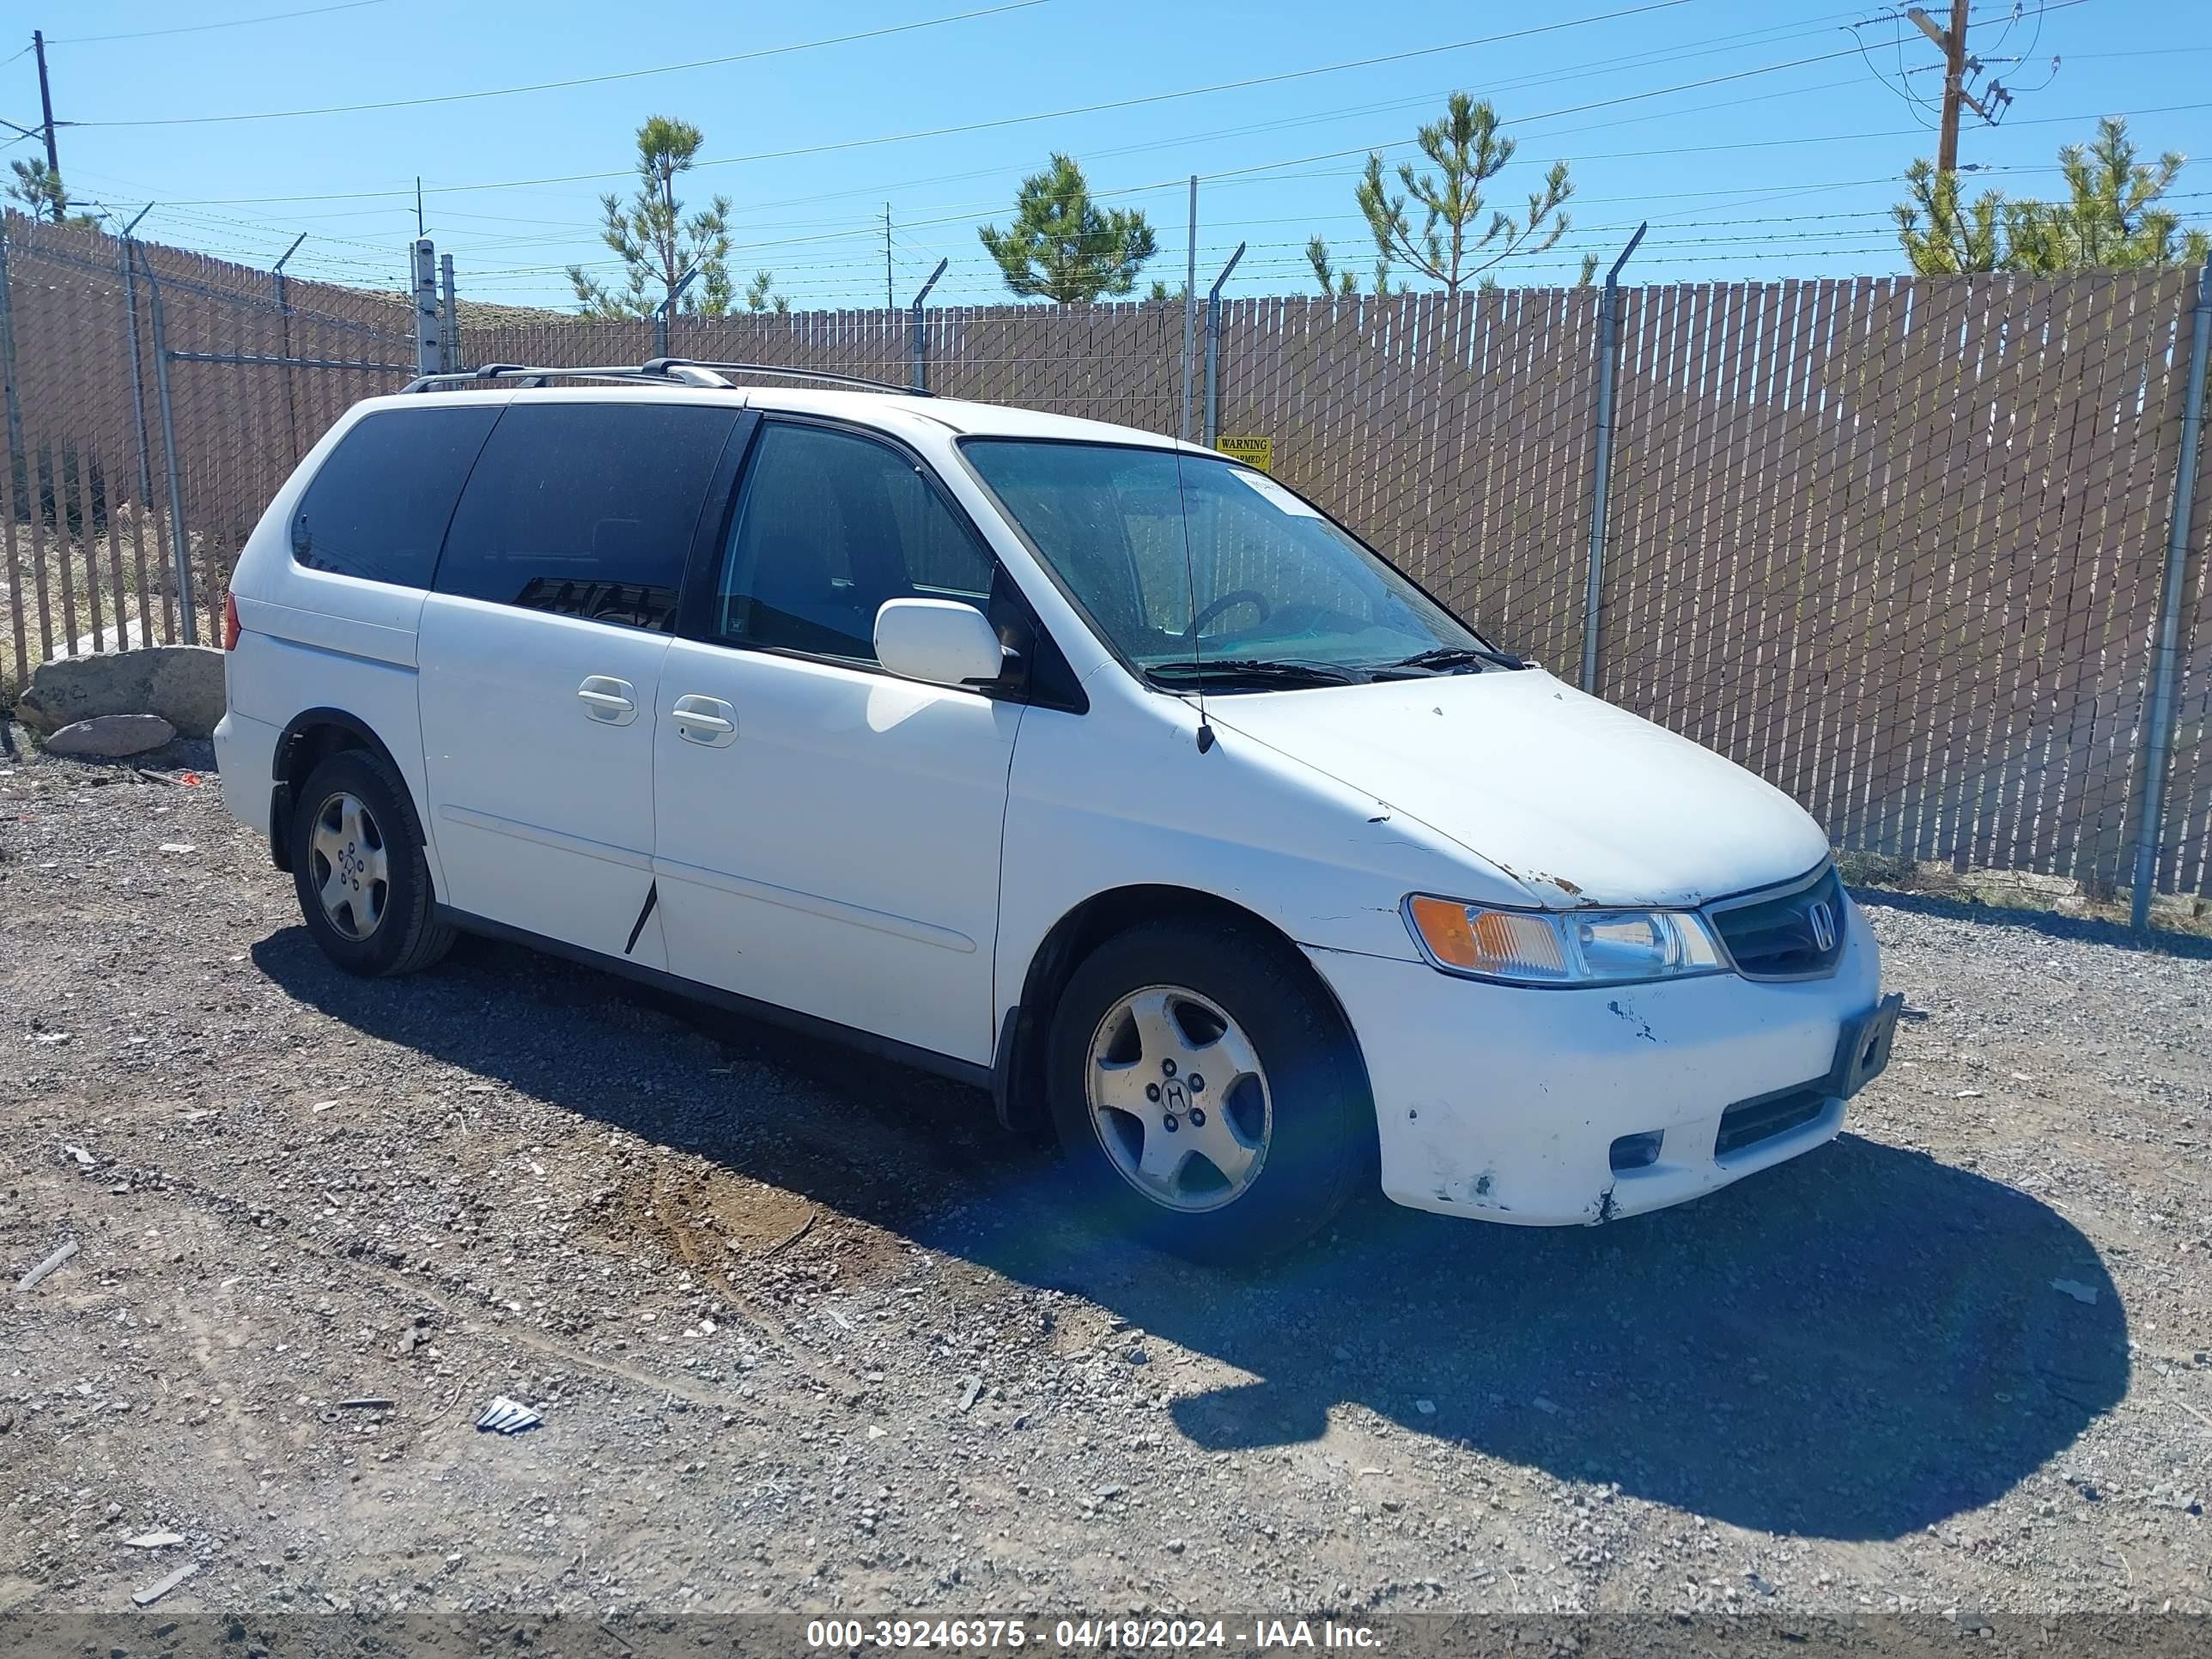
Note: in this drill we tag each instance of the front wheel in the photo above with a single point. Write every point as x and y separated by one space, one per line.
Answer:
1206 1092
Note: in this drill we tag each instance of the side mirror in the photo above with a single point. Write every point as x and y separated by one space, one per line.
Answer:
942 642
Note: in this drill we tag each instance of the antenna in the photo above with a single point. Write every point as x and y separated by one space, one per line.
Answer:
1190 576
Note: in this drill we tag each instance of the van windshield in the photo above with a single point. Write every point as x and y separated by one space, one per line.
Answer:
1208 570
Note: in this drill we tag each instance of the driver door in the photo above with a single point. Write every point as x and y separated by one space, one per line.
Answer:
827 835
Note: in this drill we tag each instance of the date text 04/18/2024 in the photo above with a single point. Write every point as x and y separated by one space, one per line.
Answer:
1116 1635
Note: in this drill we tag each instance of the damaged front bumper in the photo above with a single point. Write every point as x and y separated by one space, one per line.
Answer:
1554 1107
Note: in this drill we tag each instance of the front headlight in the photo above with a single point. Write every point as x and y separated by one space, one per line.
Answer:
1581 947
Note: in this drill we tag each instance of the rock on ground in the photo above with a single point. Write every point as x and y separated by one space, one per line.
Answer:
182 684
111 736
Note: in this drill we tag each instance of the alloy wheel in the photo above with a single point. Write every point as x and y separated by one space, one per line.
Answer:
352 877
1178 1098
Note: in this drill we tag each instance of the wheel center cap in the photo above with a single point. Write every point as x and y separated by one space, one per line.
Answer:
1173 1097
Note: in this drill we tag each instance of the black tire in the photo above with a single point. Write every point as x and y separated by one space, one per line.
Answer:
1321 1150
406 936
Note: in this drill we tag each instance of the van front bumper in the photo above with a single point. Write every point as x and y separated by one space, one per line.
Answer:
1507 1103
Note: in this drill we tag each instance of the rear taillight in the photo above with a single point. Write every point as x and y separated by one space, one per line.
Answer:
229 623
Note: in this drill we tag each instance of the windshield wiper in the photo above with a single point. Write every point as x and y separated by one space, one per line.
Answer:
1456 656
1267 671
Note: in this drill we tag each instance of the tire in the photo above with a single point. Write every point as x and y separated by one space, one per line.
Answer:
1248 1005
371 855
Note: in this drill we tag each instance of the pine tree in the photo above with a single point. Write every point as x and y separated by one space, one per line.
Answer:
658 244
760 295
1943 237
1453 247
40 189
1062 246
2110 219
1343 284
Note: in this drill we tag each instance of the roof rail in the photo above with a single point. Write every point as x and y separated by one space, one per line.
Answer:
658 365
684 371
523 372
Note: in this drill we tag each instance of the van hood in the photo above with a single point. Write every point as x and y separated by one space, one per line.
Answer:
1581 803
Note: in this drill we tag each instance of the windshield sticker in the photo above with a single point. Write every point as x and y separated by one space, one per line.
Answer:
1274 492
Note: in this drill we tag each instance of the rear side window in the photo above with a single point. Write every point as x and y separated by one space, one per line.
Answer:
378 507
585 509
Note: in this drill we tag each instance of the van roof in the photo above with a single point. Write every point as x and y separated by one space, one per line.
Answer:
888 410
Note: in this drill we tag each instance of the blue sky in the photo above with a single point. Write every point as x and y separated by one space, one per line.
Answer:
1762 141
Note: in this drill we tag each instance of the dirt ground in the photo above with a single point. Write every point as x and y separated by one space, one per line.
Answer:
808 1331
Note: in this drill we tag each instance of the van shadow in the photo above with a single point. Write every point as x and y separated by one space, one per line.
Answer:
1854 1346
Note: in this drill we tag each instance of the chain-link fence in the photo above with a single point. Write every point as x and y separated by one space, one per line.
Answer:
1898 544
109 539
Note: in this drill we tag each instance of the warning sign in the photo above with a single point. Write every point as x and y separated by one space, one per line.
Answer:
1253 451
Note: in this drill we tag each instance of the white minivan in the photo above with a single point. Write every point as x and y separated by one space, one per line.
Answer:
1091 767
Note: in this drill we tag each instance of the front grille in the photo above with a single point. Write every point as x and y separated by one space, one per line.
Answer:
1753 1121
1780 936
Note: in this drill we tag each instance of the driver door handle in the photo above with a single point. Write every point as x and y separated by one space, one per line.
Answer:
708 722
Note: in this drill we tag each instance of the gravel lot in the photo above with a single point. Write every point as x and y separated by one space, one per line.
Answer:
807 1331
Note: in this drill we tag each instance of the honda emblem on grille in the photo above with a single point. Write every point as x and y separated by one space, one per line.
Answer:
1823 921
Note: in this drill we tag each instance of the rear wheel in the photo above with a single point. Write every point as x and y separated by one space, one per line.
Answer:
358 865
1205 1091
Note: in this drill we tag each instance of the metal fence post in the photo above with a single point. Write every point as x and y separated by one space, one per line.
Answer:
449 333
426 306
918 337
662 312
1608 368
20 480
284 322
1213 348
2166 663
145 454
179 548
1190 312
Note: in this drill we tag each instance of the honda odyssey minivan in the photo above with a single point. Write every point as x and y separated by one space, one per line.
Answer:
1090 768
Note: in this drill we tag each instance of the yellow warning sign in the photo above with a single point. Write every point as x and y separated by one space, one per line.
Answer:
1253 451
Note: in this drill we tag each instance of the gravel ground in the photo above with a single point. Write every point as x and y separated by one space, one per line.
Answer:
808 1331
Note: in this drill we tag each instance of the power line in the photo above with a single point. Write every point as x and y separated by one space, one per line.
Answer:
1710 46
1787 30
901 138
584 79
1089 109
200 28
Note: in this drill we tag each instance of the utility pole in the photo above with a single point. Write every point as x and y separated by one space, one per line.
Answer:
1954 85
1952 43
890 300
46 115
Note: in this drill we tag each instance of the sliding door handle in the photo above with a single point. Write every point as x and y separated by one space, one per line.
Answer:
608 701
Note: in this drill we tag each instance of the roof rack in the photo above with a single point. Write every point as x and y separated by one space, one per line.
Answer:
775 371
681 371
529 375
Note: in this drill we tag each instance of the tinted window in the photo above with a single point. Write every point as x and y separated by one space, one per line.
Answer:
585 509
378 507
831 525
